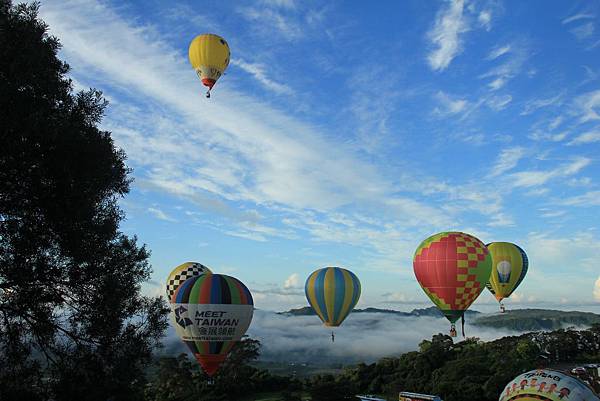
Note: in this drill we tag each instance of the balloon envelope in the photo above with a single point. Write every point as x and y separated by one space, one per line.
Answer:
209 56
181 273
332 292
547 385
210 313
509 266
452 268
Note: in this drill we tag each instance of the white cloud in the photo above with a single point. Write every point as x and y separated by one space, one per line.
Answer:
591 198
596 291
387 335
289 4
536 104
540 177
586 137
258 72
503 73
159 214
553 213
588 105
583 31
555 256
498 103
507 160
498 51
577 17
485 19
269 19
449 105
293 281
445 35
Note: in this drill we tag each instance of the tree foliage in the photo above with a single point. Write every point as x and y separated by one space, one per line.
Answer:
181 379
73 322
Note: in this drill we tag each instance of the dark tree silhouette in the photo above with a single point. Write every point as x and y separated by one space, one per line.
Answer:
73 321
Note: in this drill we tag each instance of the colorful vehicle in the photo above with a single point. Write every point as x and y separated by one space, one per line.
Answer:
407 396
181 273
453 269
547 385
332 292
509 267
210 313
209 56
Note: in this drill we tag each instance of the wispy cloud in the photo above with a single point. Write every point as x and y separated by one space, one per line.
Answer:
591 198
269 19
577 17
583 31
510 68
588 106
159 214
448 104
586 137
596 290
540 177
485 19
535 104
498 51
258 71
498 103
445 35
507 160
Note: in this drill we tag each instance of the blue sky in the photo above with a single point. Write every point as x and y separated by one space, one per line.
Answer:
344 135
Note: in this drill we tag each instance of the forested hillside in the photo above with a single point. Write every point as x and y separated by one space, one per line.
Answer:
462 371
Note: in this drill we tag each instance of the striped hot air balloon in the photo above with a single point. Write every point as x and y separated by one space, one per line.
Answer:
509 266
332 292
452 268
210 313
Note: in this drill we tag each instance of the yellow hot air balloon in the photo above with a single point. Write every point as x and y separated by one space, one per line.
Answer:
209 55
509 266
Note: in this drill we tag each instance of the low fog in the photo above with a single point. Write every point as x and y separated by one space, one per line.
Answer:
363 337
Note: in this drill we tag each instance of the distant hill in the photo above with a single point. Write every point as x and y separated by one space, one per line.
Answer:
536 319
431 311
517 320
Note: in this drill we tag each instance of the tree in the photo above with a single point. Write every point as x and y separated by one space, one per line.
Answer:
73 321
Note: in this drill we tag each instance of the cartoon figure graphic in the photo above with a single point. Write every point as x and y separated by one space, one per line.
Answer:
523 384
552 388
533 382
564 393
542 386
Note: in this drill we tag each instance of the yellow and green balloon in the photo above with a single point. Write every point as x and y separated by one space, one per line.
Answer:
509 267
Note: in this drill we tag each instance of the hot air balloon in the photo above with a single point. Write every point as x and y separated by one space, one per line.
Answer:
452 268
210 313
332 292
547 385
209 55
509 266
181 273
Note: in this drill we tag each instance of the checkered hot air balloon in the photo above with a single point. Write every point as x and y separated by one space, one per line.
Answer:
453 269
182 273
